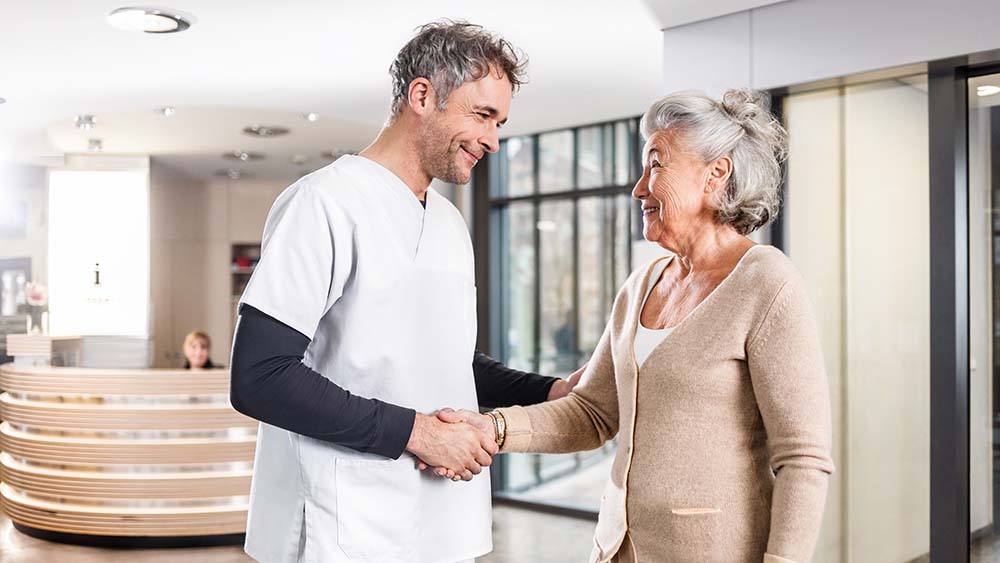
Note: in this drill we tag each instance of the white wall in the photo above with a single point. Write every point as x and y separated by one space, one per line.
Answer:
815 205
856 227
193 227
887 322
805 40
27 184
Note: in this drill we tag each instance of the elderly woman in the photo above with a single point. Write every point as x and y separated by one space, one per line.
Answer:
710 367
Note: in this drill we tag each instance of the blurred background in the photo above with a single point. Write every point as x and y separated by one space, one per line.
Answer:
145 148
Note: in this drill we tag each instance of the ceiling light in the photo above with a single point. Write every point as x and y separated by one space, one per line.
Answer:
987 90
231 173
166 111
95 145
85 122
264 131
148 20
299 159
243 156
310 117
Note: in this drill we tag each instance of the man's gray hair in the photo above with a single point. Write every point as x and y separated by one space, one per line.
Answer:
740 126
449 54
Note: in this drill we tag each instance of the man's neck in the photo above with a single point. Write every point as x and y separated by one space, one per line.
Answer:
396 151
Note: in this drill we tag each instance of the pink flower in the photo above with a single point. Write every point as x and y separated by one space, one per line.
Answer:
36 294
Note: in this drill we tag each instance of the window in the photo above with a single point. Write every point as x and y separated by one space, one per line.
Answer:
562 215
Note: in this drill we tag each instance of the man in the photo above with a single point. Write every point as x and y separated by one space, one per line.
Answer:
359 324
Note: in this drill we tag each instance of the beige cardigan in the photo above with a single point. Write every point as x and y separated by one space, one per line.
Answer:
734 396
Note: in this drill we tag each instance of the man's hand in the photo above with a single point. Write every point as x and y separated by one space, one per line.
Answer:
460 449
562 387
480 421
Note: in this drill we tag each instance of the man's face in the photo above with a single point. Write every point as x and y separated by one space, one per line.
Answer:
455 138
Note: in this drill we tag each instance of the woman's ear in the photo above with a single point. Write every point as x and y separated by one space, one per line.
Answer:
420 96
719 173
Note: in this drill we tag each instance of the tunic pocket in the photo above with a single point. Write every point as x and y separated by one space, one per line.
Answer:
376 509
695 533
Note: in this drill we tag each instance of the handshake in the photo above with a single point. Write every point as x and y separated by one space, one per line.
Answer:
457 444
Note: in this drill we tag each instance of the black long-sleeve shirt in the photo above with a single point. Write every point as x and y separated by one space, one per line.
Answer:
269 382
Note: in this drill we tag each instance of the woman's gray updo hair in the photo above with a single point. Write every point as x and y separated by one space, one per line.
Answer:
740 126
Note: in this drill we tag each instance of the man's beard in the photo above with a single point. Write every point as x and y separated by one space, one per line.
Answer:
437 157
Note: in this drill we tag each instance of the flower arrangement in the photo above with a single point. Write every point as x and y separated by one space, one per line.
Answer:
37 296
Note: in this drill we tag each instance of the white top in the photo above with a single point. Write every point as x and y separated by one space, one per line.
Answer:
385 290
646 339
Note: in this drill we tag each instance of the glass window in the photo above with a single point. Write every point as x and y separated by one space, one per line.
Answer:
517 162
518 285
984 306
555 159
625 161
564 250
557 354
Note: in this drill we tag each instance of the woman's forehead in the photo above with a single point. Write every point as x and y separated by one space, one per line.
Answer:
661 142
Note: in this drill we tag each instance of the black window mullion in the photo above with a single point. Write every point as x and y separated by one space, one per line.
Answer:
536 240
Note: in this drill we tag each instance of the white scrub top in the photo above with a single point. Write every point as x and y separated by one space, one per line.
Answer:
385 291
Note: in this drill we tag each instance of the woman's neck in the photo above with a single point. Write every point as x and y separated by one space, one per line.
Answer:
707 248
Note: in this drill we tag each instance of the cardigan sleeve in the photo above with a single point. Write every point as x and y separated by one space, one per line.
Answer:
582 420
789 382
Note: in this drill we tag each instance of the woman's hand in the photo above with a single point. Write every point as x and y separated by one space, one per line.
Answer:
562 387
481 422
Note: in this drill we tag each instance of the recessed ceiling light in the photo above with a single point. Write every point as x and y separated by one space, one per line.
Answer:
231 173
265 131
243 156
148 20
987 90
85 122
95 145
165 111
299 159
310 117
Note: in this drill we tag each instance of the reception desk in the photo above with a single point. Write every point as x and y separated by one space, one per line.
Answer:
124 457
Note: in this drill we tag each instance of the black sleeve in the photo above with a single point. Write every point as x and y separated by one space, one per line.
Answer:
269 382
500 386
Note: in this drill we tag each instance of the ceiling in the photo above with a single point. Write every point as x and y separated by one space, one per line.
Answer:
260 61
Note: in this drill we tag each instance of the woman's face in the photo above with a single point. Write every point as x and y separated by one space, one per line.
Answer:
673 188
196 353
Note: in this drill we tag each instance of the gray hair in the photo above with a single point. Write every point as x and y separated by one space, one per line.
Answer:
740 126
449 54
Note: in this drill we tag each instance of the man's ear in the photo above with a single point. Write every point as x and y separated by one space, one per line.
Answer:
420 96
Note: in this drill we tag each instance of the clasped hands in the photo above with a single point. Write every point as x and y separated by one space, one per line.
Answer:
456 444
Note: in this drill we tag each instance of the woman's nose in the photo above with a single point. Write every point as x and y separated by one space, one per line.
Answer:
639 191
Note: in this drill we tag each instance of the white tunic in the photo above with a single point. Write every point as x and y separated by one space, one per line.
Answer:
385 289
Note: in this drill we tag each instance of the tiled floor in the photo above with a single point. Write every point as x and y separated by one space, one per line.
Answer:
518 536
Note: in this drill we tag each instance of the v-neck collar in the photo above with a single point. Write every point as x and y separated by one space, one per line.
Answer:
404 200
395 184
641 295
